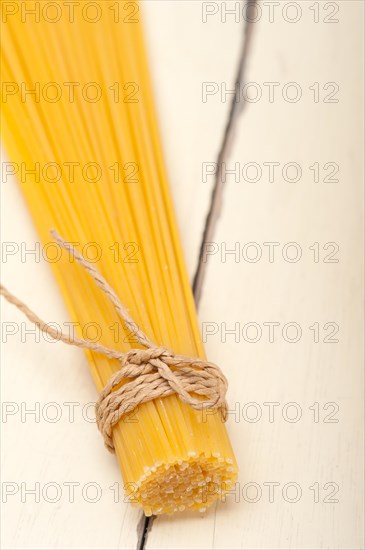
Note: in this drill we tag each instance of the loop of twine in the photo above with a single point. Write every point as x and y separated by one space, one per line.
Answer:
145 374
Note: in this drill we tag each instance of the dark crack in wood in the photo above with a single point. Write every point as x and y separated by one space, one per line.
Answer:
145 524
235 111
143 528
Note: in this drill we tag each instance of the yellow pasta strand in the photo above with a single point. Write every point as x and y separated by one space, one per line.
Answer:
78 111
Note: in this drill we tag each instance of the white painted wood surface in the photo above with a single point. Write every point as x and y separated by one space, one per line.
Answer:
185 52
238 292
39 451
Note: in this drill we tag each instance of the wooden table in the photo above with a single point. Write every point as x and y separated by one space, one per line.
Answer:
280 306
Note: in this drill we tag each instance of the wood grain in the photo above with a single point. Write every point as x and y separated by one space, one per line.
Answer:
315 458
37 374
310 456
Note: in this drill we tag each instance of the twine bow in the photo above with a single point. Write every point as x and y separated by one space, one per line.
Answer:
145 374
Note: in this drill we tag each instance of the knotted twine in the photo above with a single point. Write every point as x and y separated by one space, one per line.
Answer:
144 374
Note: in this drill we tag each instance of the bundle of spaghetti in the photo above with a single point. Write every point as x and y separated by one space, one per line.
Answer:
80 129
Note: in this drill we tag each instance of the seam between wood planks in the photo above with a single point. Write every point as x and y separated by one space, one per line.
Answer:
145 524
235 111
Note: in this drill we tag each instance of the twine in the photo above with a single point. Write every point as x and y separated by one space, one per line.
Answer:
145 374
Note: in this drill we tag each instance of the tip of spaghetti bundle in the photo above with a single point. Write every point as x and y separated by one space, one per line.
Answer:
193 485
